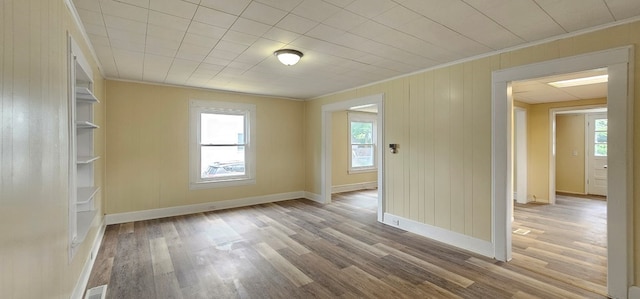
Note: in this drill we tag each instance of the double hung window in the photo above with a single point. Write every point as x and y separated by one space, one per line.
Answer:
222 151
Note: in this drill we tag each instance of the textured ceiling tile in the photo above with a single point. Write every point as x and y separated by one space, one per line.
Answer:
623 9
296 24
125 24
315 10
286 5
90 17
206 30
344 20
234 7
251 27
168 21
118 9
92 5
263 13
573 15
177 8
214 17
281 35
370 8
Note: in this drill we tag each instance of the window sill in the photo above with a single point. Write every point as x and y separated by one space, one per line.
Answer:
220 184
362 170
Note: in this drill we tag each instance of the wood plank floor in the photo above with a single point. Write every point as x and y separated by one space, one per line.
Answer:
566 241
301 249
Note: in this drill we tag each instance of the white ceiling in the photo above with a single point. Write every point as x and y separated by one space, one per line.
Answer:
538 91
229 44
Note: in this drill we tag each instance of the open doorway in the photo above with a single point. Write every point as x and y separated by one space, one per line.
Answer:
619 228
560 233
357 105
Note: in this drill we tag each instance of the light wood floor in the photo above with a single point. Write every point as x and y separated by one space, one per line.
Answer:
567 241
301 249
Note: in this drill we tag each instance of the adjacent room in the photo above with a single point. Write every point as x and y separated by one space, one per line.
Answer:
319 149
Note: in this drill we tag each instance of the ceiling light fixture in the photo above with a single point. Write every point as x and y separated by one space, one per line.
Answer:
288 56
580 81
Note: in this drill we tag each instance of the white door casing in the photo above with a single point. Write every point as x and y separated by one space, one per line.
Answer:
619 64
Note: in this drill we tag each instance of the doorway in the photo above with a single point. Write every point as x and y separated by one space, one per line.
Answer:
327 145
619 226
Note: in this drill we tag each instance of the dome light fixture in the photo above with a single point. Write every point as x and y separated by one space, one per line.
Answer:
288 56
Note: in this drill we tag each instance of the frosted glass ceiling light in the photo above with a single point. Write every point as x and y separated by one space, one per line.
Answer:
580 81
288 56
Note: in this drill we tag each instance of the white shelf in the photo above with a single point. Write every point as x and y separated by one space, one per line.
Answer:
86 159
86 194
85 95
86 125
84 224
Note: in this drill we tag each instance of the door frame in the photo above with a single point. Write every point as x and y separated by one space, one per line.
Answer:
326 147
619 64
520 153
553 112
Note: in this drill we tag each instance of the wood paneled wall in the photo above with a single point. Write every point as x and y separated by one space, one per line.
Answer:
34 258
442 120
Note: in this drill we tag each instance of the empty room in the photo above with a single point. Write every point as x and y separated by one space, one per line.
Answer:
319 149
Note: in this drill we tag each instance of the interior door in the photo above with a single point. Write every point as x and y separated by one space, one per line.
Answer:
597 159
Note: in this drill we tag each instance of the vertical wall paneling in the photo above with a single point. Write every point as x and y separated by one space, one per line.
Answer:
414 148
442 148
406 123
429 149
482 149
456 92
468 147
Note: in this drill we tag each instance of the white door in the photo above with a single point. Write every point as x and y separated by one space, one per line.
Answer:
597 149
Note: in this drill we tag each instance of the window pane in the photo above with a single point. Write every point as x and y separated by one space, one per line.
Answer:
361 132
601 137
220 161
362 156
601 150
221 128
601 124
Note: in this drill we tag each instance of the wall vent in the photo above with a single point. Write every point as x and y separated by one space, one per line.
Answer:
99 292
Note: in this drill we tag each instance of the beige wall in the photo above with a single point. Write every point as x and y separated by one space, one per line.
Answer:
340 155
34 155
148 147
442 174
570 168
538 145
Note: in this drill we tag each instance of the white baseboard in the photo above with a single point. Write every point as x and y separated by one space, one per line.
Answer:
81 284
634 292
312 196
198 208
452 238
354 187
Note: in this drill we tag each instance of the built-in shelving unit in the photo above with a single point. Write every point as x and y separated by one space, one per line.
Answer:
82 209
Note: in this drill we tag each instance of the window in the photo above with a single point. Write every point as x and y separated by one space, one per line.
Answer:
600 138
222 152
362 142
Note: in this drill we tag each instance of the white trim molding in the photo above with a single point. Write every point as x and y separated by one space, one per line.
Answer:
620 230
354 187
81 283
634 292
446 236
313 197
199 208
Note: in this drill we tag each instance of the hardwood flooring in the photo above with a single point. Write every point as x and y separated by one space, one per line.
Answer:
301 249
566 241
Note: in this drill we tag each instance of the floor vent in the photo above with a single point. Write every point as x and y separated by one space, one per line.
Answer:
97 292
521 231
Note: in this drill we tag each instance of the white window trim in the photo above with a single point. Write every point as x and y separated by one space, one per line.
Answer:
364 117
196 107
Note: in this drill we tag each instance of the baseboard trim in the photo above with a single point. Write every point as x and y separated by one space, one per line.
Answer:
199 208
314 197
354 187
452 238
634 292
83 280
